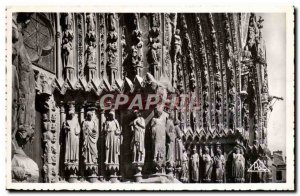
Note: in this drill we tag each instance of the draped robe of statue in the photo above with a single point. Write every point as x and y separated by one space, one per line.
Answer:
208 165
112 141
185 167
171 134
72 129
138 140
91 135
178 145
195 167
158 138
238 166
219 162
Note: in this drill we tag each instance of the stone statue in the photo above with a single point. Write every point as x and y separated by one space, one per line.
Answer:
153 57
136 20
112 132
158 130
136 60
185 167
171 136
90 22
111 22
72 130
23 103
195 165
91 135
138 139
238 165
67 41
177 44
219 162
208 164
178 143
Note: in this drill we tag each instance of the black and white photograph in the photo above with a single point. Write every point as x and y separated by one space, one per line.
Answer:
150 99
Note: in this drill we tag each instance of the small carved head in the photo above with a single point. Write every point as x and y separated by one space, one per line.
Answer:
89 115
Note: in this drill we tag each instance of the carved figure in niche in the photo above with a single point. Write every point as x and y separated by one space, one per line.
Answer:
136 60
111 22
208 164
195 165
112 132
91 26
91 54
158 136
91 135
245 115
185 167
171 136
238 165
138 140
219 162
136 20
72 130
231 116
177 44
67 40
155 24
178 143
154 57
218 117
111 64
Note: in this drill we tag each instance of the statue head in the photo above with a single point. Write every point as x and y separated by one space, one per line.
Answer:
111 115
71 109
219 151
89 115
177 32
206 150
137 113
238 151
194 149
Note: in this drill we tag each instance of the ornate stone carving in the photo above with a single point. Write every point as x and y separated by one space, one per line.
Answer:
154 54
112 48
80 44
23 103
90 52
189 55
113 140
50 169
137 51
67 44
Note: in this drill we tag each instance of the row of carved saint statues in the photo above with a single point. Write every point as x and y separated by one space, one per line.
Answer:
169 156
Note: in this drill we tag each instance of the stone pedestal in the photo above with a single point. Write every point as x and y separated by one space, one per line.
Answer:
113 170
71 172
138 170
91 172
